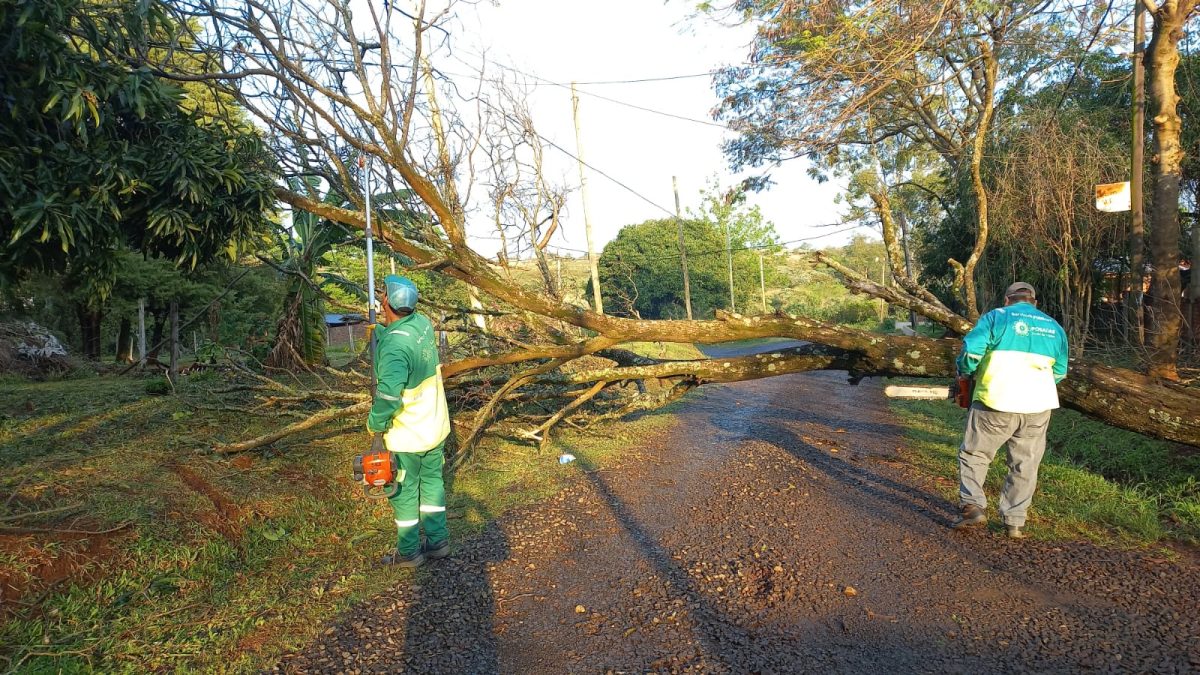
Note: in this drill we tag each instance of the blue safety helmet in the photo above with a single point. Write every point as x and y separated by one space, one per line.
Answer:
401 293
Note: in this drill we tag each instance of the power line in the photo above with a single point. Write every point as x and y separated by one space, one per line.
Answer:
664 78
542 80
651 110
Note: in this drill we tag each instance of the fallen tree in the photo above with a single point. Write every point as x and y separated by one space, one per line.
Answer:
302 70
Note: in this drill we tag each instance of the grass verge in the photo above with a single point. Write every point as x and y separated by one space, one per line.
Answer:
200 562
1104 484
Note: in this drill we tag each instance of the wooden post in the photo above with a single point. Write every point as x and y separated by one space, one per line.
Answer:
762 281
1137 227
597 302
883 282
141 331
476 303
350 333
1193 304
687 282
174 340
900 217
729 255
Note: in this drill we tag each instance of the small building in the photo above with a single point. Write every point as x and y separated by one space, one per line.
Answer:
345 331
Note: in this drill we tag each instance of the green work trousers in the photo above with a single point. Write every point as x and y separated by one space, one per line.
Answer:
421 501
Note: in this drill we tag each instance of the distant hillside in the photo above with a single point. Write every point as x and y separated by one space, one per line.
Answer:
795 283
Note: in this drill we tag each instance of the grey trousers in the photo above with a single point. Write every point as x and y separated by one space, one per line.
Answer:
987 430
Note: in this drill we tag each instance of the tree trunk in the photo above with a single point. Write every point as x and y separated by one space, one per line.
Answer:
1166 170
156 337
547 276
1117 396
125 342
89 330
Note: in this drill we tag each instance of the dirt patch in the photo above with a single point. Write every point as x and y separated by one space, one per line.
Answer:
258 638
226 516
317 484
42 560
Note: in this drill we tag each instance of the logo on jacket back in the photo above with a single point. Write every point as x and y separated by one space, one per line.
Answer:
1021 328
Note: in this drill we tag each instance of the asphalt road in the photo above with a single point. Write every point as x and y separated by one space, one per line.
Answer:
773 529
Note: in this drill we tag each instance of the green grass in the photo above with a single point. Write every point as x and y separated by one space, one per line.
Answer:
1096 482
181 586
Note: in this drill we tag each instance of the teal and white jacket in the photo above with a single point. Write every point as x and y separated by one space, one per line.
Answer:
410 399
1018 355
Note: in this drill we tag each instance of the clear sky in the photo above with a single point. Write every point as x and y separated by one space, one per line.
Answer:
559 41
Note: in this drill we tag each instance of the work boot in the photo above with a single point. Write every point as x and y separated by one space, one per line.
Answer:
1014 531
439 550
394 557
969 516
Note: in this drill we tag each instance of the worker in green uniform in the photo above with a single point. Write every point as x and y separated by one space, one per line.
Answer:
411 416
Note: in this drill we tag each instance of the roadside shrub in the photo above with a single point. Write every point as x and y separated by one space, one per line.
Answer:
157 386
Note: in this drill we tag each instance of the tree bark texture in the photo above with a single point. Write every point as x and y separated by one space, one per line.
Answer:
125 342
1166 169
90 322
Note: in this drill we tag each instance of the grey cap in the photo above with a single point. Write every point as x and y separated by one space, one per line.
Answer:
1019 287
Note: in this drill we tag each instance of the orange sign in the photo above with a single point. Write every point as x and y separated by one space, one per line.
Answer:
1113 197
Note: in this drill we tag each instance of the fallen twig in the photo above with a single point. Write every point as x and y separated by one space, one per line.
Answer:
15 529
44 512
303 425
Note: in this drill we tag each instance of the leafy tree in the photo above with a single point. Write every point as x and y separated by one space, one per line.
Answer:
640 272
96 158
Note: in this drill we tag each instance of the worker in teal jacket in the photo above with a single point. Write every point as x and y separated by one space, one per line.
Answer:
411 415
1017 356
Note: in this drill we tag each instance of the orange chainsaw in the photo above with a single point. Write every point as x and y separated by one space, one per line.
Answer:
377 471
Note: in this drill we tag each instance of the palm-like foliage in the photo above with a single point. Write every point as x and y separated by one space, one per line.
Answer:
303 251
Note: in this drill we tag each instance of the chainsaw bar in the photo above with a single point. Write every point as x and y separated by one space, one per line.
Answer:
917 392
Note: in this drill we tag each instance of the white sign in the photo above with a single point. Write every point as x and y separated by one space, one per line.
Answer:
1113 197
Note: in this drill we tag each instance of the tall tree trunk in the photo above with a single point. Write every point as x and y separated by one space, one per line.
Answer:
89 330
160 322
547 276
125 342
1166 170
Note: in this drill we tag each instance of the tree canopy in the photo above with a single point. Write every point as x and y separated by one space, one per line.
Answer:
97 156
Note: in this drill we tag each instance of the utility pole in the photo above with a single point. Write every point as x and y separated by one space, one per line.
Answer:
729 256
687 282
762 281
1138 224
597 302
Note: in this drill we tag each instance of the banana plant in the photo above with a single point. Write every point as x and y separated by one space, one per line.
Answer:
304 250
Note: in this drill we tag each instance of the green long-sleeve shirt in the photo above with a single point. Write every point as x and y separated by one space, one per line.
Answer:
410 400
